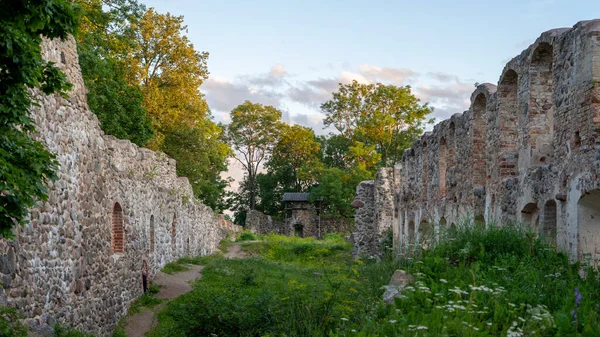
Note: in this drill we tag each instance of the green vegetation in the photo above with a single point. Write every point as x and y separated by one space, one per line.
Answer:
376 122
10 324
246 236
475 282
146 300
173 267
25 165
298 287
143 76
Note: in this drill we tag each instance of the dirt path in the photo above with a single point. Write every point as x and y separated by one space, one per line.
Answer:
234 251
172 286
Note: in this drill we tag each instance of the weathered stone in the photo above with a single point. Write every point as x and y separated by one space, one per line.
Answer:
400 279
47 267
525 151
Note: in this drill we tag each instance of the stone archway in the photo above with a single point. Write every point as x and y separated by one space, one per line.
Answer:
588 223
118 230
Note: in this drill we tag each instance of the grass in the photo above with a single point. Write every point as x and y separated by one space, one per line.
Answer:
296 287
173 267
500 281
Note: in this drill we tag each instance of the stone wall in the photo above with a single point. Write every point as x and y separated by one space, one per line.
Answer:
374 203
260 223
527 150
114 205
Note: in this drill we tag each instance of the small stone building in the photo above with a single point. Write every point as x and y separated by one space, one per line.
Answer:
301 217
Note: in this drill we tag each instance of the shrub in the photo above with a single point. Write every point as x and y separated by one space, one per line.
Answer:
246 236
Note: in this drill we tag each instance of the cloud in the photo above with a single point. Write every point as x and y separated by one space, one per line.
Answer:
396 76
223 95
446 98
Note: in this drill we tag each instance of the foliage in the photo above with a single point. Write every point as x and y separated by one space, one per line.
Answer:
337 187
201 155
172 268
146 300
103 41
10 323
143 76
253 133
288 291
494 282
385 116
25 166
246 236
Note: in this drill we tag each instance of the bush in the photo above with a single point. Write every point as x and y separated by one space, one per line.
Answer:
246 236
10 323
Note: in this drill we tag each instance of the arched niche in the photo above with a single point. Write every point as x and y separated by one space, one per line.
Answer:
509 137
442 167
151 233
549 228
588 218
541 105
118 230
478 140
530 215
426 234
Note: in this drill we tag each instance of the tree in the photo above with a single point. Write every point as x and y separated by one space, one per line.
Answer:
103 42
201 157
386 116
25 165
169 72
296 148
252 133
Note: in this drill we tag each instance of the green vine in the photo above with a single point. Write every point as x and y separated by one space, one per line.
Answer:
25 165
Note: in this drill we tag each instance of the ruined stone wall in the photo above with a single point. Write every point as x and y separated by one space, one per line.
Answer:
114 205
375 211
260 223
527 150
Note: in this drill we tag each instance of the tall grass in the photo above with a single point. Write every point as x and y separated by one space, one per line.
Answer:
474 282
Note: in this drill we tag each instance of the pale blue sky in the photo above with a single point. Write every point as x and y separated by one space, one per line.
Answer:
293 54
315 44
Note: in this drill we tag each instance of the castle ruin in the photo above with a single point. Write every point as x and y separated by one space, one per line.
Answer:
527 150
78 261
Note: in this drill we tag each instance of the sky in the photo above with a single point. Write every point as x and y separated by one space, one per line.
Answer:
293 54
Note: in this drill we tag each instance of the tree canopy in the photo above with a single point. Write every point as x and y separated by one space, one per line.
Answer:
25 165
386 116
253 133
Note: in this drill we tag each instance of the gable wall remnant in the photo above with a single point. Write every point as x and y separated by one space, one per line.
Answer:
527 150
78 261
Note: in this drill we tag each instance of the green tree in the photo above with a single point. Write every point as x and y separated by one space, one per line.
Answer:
25 166
169 72
296 148
253 133
386 116
103 42
201 157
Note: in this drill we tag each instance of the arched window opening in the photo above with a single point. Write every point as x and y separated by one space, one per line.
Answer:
151 233
480 221
530 216
508 106
118 230
426 234
549 222
411 232
478 140
541 105
425 172
442 167
588 217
